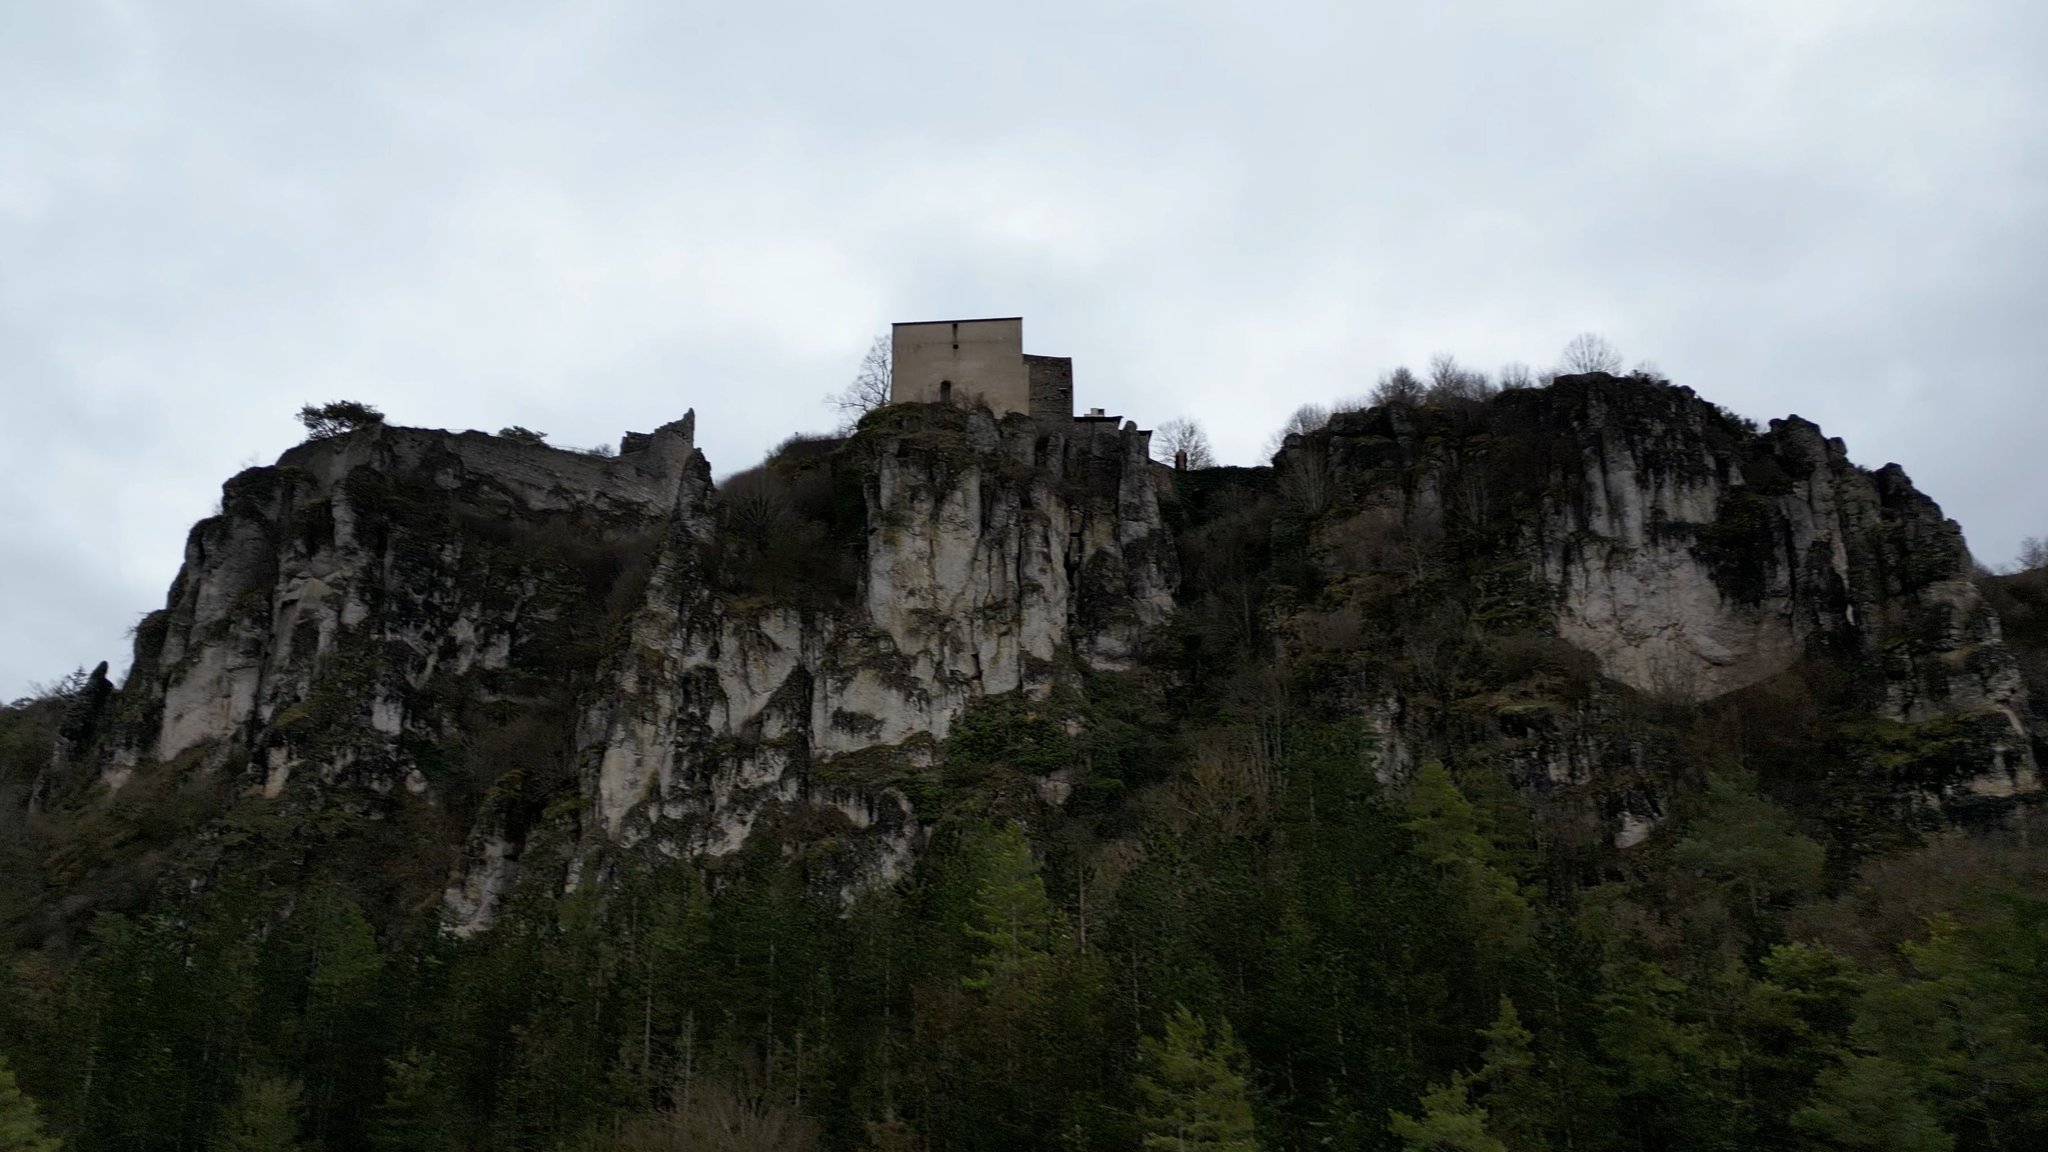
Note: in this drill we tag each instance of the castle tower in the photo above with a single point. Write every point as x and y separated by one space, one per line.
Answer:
978 361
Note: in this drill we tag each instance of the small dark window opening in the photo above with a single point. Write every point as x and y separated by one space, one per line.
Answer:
945 391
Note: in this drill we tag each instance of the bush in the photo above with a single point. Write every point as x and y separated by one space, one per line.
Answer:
337 417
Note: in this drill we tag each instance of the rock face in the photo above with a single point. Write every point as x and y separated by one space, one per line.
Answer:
997 557
563 663
1692 556
482 625
346 581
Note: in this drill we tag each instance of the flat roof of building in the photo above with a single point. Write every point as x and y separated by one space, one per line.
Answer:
973 320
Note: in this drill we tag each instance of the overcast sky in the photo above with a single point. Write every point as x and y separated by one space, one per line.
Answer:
588 217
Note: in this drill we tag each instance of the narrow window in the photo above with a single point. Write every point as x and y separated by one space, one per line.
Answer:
945 391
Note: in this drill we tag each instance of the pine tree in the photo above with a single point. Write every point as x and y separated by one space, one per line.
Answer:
1751 848
1012 923
21 1129
1194 1096
413 1116
1515 1099
1450 1122
1447 834
261 1118
1869 1103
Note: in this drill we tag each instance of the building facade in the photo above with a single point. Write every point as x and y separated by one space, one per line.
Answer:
978 361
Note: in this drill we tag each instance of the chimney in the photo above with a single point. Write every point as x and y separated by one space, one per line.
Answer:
1180 460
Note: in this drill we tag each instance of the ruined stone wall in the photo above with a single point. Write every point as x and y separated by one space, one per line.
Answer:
981 360
1052 387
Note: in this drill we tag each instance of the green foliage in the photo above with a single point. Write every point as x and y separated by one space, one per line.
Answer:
1011 729
1192 1095
1751 848
414 1114
523 435
261 1119
1012 927
1446 831
21 1128
1450 1123
337 418
1869 1103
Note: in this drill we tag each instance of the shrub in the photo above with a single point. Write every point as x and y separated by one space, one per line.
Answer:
337 417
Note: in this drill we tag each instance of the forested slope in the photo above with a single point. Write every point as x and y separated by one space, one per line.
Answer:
1579 768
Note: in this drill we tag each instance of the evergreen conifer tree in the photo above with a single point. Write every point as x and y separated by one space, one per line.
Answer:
413 1117
262 1118
1450 1122
1194 1097
21 1129
1869 1103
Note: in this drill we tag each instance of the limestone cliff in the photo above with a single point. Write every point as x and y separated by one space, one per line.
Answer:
1690 555
553 664
996 557
482 627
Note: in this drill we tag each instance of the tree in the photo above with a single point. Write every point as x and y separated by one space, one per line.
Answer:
2033 553
21 1129
338 417
1589 353
1869 1103
1751 847
1182 435
523 435
261 1118
1515 374
413 1116
1192 1095
870 387
1302 421
1516 1100
1013 919
1399 387
1450 381
1447 835
1450 1123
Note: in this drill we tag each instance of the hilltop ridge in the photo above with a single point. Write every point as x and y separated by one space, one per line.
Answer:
902 744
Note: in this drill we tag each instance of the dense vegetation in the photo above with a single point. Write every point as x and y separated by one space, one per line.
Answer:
1232 935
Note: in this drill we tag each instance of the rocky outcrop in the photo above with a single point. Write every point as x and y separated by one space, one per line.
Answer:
997 557
481 623
1688 553
575 662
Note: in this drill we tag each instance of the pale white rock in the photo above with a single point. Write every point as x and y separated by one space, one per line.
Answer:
472 902
713 710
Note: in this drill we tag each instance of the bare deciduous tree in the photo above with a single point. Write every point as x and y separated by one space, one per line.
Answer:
1589 352
1183 435
2033 553
1516 374
1451 381
870 387
1398 387
1305 419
